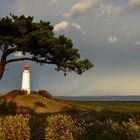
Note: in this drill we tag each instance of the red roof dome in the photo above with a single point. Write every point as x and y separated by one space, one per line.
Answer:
26 67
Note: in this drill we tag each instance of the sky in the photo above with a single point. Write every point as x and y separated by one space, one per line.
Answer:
107 32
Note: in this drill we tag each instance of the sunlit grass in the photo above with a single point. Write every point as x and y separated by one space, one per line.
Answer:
111 106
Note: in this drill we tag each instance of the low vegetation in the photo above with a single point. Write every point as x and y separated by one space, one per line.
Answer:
118 106
64 126
40 116
41 101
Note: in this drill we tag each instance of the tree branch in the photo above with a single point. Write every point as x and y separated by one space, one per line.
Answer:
12 50
19 59
29 59
2 48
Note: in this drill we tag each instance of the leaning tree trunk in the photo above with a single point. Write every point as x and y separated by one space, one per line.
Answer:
2 65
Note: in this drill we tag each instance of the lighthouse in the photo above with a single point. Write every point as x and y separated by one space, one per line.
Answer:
26 79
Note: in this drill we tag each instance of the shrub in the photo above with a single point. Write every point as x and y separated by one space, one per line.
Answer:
44 93
62 127
7 107
34 92
112 130
14 93
14 127
130 130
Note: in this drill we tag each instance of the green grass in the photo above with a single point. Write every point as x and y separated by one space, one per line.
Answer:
128 107
115 110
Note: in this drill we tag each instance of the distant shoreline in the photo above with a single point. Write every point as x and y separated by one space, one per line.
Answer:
100 98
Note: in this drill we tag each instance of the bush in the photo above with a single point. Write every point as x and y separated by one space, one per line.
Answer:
45 94
62 127
12 94
7 107
33 92
111 130
14 127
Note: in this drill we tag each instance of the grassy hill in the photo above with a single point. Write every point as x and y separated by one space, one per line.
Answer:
40 102
37 102
80 120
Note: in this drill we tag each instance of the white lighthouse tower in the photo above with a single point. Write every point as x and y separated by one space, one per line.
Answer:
26 79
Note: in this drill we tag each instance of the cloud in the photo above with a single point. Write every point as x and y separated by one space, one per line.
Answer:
81 7
61 26
112 39
134 3
137 43
18 54
55 1
64 25
107 9
100 8
76 26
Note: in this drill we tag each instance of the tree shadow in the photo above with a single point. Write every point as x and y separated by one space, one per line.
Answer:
39 104
38 125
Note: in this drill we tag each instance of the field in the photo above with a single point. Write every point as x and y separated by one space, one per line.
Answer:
115 110
129 107
39 118
88 125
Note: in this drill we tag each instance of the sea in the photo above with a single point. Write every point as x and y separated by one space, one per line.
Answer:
100 98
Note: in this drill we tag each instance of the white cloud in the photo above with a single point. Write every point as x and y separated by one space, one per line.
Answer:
137 43
107 9
81 7
112 39
84 6
55 1
64 25
76 26
18 54
134 3
61 26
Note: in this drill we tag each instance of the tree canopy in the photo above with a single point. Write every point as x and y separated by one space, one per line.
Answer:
37 39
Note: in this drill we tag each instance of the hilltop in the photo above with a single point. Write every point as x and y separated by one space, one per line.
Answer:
18 101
